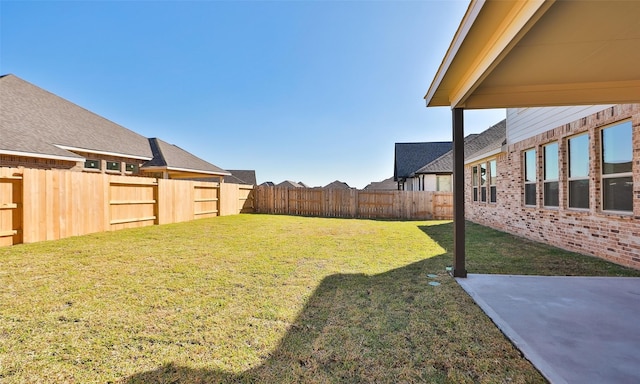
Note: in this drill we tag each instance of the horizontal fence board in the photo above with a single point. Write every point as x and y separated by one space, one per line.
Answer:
37 205
352 203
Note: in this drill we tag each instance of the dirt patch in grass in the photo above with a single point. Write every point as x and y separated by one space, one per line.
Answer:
256 298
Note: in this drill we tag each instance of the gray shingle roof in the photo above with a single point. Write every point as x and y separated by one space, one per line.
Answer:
444 163
289 184
241 176
409 157
474 145
175 158
337 185
491 139
34 121
386 184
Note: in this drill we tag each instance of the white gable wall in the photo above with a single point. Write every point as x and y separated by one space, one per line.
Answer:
421 183
430 183
523 123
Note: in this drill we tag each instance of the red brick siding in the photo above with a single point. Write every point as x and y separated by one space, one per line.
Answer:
41 163
12 161
615 237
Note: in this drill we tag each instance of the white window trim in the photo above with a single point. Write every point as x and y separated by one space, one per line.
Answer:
544 174
491 175
613 175
570 178
524 176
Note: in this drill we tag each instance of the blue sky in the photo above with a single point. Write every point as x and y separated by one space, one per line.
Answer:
311 91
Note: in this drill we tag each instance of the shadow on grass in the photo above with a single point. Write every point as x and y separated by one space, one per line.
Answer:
390 327
489 251
396 327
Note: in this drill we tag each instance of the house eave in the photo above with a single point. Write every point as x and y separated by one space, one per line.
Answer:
483 155
535 53
107 153
465 25
188 170
41 156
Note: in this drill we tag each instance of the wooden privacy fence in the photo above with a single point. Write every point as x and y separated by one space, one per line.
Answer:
38 205
352 203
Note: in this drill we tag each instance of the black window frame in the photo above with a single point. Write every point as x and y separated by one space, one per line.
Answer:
88 164
113 166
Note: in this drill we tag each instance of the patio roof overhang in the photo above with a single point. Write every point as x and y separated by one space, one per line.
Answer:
534 53
541 53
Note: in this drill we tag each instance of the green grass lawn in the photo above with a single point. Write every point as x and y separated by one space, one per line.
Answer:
266 299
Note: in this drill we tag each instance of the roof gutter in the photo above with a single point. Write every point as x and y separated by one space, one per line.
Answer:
68 148
165 168
41 156
502 39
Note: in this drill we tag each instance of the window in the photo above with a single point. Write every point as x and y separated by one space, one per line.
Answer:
550 192
617 157
493 177
133 168
579 171
92 164
483 182
475 183
443 183
530 177
113 166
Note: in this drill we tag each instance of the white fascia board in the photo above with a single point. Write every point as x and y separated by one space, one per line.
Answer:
199 171
465 25
102 152
483 155
165 168
508 33
41 156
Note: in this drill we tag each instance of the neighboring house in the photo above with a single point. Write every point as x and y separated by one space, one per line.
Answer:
241 176
384 185
42 130
337 185
289 184
410 157
438 174
567 176
268 184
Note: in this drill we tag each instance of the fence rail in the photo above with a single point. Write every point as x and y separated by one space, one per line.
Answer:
38 205
351 203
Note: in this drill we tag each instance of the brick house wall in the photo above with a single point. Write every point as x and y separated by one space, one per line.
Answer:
13 161
592 231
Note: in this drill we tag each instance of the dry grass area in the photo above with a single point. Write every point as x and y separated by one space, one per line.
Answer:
262 299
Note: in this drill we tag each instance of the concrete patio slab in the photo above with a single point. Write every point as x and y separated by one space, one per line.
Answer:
573 329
